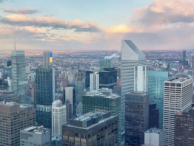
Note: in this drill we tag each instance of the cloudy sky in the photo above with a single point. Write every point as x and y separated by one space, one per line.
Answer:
96 24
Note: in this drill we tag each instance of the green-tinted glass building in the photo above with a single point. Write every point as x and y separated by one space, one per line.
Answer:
103 100
104 63
156 91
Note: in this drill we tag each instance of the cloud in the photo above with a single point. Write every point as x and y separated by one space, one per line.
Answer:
165 12
55 23
20 11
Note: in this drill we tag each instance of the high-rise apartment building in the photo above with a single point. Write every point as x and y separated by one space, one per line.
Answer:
59 117
136 118
13 118
94 81
93 128
177 97
131 56
35 136
44 95
103 100
19 79
108 78
184 128
156 91
154 137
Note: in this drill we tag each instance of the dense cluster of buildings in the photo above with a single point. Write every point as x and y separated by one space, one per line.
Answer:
111 101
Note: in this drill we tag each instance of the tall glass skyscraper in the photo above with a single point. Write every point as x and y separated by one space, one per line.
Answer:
19 79
131 56
44 94
156 91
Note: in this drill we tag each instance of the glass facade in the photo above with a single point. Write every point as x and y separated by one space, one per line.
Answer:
108 78
44 96
156 91
103 102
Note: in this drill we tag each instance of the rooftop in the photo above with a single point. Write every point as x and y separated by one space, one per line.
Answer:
154 130
36 130
89 116
179 79
104 92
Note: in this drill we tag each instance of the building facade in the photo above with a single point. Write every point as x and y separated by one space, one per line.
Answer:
184 128
156 91
153 116
141 78
103 100
177 97
104 63
93 128
136 118
108 78
94 81
154 137
44 95
59 117
13 118
35 136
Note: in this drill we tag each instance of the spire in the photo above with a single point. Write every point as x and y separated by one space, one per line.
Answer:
14 45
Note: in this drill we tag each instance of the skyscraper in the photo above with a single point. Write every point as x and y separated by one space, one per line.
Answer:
93 128
177 97
13 118
94 81
184 57
136 118
44 95
70 98
156 91
184 128
108 78
59 117
47 58
103 100
19 79
131 56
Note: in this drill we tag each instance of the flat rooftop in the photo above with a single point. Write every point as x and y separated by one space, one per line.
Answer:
36 130
179 79
154 130
105 93
89 116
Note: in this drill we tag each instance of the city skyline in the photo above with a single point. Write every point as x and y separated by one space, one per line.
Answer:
96 25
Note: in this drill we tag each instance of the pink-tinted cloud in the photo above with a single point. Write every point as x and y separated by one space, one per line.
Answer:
20 11
55 23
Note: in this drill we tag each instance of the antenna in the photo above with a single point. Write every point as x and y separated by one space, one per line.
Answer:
14 45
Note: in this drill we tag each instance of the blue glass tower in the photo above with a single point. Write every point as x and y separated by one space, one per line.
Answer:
156 91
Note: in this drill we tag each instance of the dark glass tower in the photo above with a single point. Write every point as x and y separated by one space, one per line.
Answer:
108 78
136 118
44 95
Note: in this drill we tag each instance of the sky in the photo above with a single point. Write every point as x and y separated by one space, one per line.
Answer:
96 24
